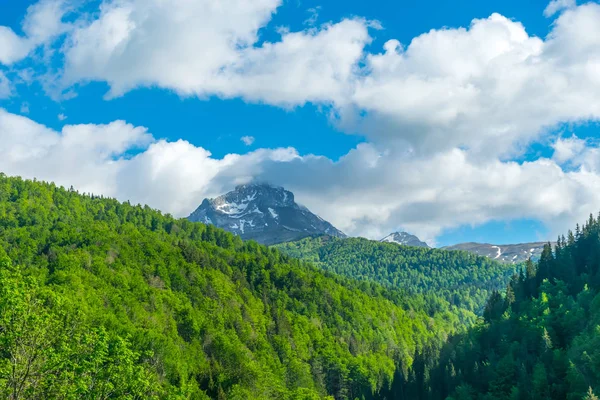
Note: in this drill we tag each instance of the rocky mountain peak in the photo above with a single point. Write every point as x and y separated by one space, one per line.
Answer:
262 212
404 238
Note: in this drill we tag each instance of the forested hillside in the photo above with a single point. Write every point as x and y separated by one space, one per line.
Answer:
462 278
540 341
100 299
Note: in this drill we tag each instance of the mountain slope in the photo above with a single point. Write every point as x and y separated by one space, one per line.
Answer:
464 279
405 239
263 213
205 314
509 253
540 341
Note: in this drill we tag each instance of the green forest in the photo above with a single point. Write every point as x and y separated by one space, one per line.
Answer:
101 299
463 279
106 300
539 341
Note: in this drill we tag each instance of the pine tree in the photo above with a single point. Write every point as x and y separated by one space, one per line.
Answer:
590 395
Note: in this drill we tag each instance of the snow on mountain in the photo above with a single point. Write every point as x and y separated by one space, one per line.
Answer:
405 239
264 213
510 253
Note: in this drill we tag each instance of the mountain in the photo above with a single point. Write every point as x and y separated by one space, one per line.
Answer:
464 279
405 239
508 253
264 213
102 299
539 341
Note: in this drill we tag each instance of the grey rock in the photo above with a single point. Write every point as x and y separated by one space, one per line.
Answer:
509 253
405 239
264 213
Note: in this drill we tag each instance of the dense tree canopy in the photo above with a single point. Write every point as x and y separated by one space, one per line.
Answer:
464 279
539 341
101 299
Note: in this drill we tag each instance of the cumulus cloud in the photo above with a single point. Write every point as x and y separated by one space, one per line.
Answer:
85 156
190 42
247 140
369 192
209 47
491 87
42 23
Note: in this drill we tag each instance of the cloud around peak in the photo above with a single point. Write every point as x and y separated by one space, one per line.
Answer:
446 116
369 192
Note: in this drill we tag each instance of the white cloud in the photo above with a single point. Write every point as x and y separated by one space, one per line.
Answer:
556 6
5 86
191 41
61 117
42 22
12 46
314 16
85 156
368 192
491 88
566 150
247 140
209 48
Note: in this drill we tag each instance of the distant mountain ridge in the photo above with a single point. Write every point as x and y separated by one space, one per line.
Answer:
511 253
264 213
269 215
405 239
507 253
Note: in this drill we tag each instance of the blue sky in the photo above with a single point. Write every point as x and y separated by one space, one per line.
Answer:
216 122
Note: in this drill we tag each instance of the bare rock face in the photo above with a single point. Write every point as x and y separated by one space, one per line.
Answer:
509 253
265 213
404 239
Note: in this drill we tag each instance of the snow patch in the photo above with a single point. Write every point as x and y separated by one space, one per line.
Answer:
256 211
243 224
250 197
273 213
499 252
389 239
232 209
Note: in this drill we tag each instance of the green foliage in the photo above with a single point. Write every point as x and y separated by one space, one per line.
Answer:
45 352
102 299
541 343
463 279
